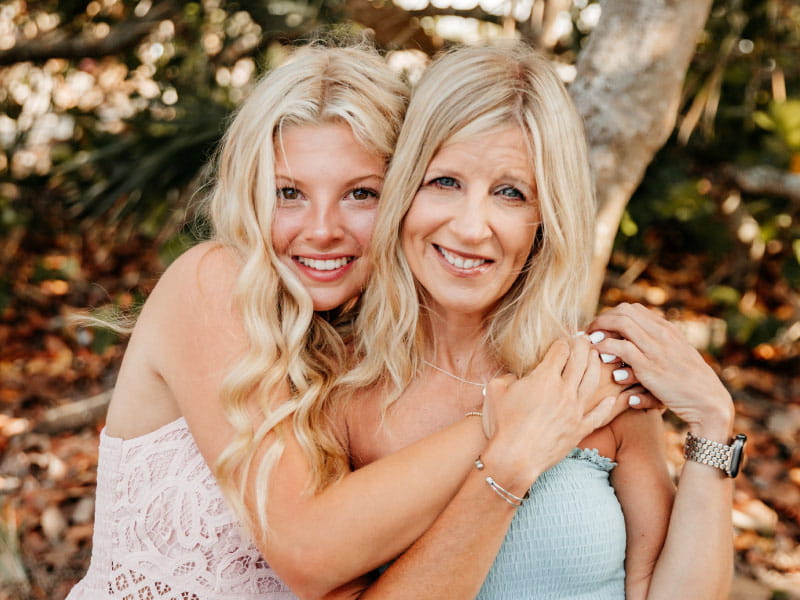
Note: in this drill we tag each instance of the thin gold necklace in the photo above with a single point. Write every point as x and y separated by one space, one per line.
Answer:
457 378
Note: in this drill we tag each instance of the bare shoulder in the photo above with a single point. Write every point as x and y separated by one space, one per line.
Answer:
206 272
191 308
178 336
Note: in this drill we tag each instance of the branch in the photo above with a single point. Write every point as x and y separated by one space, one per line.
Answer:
765 181
396 27
58 44
75 415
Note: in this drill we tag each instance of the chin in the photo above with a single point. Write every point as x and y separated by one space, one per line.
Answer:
328 303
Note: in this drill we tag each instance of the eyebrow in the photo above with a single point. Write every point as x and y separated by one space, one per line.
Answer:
352 181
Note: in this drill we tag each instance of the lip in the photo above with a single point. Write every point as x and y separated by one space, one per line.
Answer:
328 274
460 271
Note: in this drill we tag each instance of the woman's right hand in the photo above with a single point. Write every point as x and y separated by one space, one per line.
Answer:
534 421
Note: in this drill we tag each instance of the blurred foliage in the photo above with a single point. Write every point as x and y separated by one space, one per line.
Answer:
120 136
742 109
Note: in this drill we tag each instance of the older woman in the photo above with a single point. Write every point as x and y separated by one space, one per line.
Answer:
490 192
482 245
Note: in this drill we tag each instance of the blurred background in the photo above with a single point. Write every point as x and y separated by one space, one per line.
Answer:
110 108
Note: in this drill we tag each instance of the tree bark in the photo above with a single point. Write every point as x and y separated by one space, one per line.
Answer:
628 87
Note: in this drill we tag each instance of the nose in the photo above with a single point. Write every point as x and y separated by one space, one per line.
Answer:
324 224
471 222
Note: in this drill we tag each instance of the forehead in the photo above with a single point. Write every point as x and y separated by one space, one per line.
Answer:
505 149
305 145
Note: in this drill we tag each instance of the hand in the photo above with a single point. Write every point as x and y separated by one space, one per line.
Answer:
668 367
618 378
536 420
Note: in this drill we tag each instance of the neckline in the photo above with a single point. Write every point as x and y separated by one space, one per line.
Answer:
179 423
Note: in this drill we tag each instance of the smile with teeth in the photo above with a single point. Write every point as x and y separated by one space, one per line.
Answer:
328 264
459 261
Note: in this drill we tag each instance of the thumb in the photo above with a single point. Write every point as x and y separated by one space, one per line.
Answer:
602 414
494 390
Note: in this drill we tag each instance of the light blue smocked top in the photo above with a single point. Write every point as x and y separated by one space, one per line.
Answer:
567 540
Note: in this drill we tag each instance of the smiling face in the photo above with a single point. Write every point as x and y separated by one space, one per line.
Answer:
472 224
328 186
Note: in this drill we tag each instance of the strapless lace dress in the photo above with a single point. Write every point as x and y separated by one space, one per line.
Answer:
163 531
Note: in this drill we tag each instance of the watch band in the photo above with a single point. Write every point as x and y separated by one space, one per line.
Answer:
728 458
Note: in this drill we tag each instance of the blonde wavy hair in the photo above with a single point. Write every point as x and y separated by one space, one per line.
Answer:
463 93
290 346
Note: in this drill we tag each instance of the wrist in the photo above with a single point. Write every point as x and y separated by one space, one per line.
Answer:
715 424
502 463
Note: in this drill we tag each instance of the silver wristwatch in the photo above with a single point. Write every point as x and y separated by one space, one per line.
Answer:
725 457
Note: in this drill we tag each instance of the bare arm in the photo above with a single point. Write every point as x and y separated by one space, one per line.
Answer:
194 336
697 557
452 558
645 493
319 541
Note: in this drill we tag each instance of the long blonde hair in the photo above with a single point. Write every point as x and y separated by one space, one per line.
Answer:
466 92
291 348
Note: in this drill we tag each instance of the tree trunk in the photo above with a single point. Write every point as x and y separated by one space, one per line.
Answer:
628 87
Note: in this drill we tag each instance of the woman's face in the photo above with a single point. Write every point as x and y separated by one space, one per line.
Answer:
472 224
327 197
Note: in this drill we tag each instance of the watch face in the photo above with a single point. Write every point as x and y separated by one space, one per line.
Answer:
737 454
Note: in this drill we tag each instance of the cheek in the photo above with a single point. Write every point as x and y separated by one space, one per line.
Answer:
283 230
412 224
407 239
524 241
362 225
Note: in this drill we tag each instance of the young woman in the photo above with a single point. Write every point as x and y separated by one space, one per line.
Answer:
241 331
482 245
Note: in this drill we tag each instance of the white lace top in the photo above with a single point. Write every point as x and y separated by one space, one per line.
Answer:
163 531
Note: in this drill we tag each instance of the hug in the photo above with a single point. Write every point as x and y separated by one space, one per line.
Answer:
367 383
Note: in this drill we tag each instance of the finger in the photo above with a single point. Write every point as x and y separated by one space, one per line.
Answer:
577 362
556 356
591 380
622 311
598 336
502 381
631 321
623 375
494 402
493 390
624 351
610 359
638 398
649 312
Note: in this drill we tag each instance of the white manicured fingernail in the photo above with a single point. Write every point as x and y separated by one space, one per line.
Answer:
634 401
620 375
607 358
597 336
578 333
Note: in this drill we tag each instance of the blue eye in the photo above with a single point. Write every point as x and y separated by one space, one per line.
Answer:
443 182
512 193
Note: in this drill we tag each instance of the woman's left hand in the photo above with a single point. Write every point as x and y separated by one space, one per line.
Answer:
668 367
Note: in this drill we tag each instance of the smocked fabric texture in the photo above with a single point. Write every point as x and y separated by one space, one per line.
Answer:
163 531
567 540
